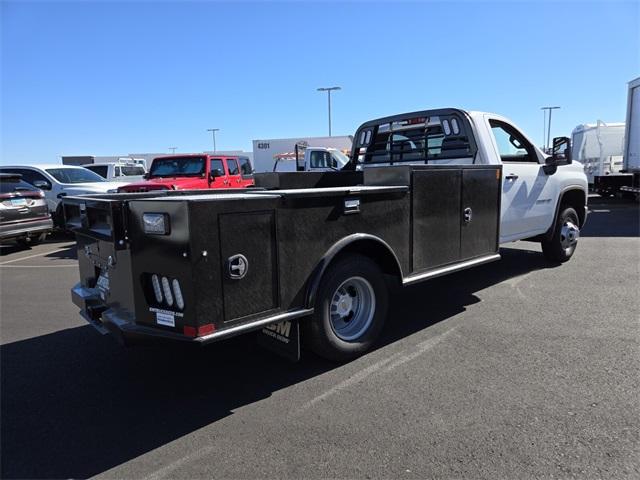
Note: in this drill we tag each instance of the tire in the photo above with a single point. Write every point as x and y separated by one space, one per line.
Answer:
58 218
565 237
350 309
38 239
31 241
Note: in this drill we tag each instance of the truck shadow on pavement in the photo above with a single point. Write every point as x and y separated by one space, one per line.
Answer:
69 252
75 404
67 241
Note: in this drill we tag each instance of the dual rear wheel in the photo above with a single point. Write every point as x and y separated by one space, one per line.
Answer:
350 309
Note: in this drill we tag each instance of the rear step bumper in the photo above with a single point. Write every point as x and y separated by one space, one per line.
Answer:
108 320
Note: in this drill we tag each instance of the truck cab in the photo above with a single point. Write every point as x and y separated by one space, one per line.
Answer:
119 171
310 159
194 172
534 184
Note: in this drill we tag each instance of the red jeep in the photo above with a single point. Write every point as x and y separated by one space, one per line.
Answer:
194 172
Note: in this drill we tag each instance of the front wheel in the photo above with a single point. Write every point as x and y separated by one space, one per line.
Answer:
562 245
58 217
350 309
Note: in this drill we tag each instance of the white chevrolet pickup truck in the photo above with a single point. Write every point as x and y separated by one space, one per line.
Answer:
311 254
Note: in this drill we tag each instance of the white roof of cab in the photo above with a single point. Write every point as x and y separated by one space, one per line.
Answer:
121 163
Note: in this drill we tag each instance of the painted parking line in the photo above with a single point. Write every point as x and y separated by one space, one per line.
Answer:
386 365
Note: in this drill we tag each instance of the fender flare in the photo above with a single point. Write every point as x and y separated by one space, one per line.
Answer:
549 233
318 272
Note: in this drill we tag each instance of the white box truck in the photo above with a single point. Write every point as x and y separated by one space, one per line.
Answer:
632 139
598 146
627 181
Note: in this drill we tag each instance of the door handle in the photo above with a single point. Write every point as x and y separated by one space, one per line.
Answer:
512 176
468 214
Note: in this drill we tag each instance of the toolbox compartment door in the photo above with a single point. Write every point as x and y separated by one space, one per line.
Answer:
436 217
252 235
481 195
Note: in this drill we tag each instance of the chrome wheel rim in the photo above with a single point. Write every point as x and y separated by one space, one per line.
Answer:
569 234
353 305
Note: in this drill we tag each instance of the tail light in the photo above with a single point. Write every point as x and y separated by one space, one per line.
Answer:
168 295
167 292
200 331
177 293
156 288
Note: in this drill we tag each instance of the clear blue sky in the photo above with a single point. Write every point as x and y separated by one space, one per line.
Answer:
118 77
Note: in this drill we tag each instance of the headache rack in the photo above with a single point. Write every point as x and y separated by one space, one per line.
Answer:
422 137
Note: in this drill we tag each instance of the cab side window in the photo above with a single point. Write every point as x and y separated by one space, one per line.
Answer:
216 164
320 159
245 166
512 146
232 165
101 170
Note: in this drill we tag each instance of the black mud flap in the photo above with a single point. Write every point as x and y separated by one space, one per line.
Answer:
282 338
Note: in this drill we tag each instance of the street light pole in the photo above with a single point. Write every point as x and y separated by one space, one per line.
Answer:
213 131
549 124
328 90
544 127
173 149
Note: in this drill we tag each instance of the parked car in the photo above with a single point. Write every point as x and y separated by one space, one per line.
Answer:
58 181
118 171
194 172
24 216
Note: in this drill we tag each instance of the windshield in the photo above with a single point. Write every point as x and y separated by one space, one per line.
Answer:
128 171
340 157
177 167
74 175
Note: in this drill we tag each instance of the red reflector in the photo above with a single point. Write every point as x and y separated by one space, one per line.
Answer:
199 331
206 329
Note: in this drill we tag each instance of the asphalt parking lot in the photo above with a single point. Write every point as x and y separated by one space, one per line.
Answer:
516 369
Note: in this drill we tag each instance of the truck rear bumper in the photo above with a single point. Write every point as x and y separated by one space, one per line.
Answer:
127 331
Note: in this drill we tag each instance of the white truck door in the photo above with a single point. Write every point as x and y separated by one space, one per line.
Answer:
527 191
